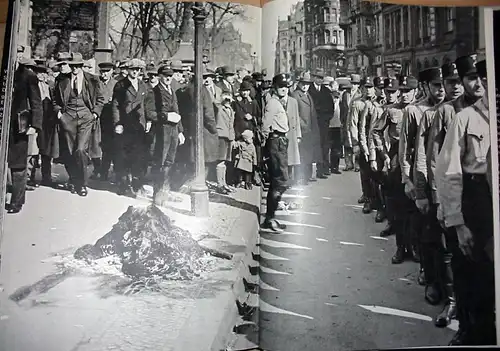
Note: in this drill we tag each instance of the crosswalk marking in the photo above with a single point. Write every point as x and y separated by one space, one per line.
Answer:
378 238
302 224
265 307
272 271
279 244
321 239
285 196
354 206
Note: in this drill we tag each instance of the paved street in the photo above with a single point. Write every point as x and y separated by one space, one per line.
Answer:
327 282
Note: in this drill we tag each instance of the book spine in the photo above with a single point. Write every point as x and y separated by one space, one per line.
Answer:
9 58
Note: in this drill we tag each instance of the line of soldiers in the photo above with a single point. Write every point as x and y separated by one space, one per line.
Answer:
423 163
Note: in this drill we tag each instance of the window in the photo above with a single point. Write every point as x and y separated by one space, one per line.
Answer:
326 15
406 23
450 19
300 42
300 60
426 20
334 16
334 38
327 37
387 30
397 29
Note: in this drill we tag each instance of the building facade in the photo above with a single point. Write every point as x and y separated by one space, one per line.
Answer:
386 39
283 41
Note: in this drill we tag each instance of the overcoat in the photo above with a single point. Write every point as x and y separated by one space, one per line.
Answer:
128 105
309 147
295 132
48 140
107 130
26 96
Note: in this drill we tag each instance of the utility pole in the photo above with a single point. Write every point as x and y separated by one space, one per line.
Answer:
199 189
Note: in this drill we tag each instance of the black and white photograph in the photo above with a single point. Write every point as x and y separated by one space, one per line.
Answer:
391 245
207 176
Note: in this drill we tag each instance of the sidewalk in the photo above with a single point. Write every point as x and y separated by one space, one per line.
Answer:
66 305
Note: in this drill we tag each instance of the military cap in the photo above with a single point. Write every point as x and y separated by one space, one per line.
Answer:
106 66
267 84
367 82
407 83
282 80
481 69
421 76
466 65
247 79
136 63
450 71
378 82
391 84
166 71
245 86
355 79
433 74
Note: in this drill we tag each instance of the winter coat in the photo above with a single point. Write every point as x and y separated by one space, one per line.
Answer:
225 123
246 156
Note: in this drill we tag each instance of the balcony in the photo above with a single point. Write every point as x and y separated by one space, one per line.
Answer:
328 48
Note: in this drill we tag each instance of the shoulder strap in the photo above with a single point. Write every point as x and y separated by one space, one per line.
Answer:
481 113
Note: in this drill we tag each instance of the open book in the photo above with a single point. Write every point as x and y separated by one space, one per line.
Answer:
297 175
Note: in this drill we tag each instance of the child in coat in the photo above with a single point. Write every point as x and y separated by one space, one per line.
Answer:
246 159
225 131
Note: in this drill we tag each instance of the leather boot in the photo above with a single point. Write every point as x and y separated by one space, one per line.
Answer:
380 216
432 294
450 308
362 199
421 277
399 256
388 231
448 313
367 207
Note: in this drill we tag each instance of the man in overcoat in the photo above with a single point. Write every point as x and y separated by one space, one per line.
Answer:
78 103
26 118
129 120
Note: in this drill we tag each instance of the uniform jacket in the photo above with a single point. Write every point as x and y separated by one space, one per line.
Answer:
445 113
371 113
390 122
309 147
91 93
225 123
409 129
128 105
356 107
465 149
26 96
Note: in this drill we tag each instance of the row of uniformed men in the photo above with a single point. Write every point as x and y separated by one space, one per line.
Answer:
424 165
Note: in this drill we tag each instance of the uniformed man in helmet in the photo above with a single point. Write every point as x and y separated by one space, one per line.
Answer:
274 129
465 197
463 88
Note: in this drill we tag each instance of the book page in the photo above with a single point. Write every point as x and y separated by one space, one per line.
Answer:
361 264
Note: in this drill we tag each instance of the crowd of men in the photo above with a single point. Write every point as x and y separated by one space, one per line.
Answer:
420 144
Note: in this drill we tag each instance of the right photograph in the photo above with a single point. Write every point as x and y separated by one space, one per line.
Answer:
384 238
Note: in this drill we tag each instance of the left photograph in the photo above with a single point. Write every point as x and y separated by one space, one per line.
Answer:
133 187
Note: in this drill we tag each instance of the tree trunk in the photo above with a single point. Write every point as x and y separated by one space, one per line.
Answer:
186 16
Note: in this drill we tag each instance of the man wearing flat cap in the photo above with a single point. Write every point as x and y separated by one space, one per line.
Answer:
26 119
466 200
129 122
107 83
78 103
168 133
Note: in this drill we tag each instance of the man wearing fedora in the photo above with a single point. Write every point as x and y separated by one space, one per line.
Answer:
26 119
178 80
78 104
466 200
309 147
227 80
463 89
130 125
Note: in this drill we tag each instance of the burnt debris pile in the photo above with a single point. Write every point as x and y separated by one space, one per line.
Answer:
149 245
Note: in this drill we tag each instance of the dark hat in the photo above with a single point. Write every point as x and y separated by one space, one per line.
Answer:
39 68
247 79
208 73
267 84
450 71
245 86
76 59
166 71
106 66
355 79
40 61
282 80
433 74
367 82
391 84
151 69
407 83
225 71
257 76
63 57
481 69
466 65
378 82
345 85
319 73
421 76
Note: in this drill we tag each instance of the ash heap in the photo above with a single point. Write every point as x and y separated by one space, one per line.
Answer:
149 245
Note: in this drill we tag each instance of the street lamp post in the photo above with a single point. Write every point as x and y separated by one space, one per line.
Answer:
254 59
199 190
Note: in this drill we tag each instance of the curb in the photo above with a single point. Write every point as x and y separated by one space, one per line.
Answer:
225 335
